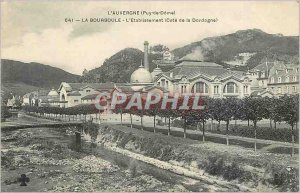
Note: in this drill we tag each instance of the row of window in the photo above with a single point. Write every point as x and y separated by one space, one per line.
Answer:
201 87
287 70
286 89
163 83
287 79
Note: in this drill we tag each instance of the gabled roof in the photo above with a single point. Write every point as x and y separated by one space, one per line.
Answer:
211 70
166 75
261 92
281 72
195 63
74 93
263 67
127 89
91 96
79 86
148 88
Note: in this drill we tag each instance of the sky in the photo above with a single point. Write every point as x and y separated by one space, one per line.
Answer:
36 31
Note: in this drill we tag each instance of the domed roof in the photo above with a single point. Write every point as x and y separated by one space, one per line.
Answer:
141 75
53 93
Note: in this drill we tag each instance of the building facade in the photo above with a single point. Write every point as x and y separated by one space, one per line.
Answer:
276 79
204 78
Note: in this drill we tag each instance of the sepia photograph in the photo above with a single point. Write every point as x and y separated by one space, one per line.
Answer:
149 96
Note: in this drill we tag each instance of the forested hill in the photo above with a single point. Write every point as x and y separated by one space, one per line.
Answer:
20 78
241 50
244 48
120 66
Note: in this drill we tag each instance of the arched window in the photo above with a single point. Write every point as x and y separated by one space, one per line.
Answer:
287 79
230 87
279 80
200 87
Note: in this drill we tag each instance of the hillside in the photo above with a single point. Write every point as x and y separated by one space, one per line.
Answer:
240 50
20 78
246 48
119 67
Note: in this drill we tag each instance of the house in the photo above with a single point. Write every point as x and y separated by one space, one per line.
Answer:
284 79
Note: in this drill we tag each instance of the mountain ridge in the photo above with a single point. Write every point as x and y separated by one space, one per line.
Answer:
20 78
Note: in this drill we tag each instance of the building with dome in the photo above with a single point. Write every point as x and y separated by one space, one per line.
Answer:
187 76
42 98
141 80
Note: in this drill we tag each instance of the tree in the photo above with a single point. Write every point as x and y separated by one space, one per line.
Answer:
229 109
154 111
5 113
289 108
273 110
256 110
215 110
159 48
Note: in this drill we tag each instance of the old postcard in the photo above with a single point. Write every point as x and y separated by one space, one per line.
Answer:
149 96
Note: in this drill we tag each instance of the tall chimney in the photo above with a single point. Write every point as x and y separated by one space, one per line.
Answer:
146 61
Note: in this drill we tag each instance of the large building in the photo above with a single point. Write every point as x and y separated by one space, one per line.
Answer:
42 98
275 79
188 76
204 78
141 80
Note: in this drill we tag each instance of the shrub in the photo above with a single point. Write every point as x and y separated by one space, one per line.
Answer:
7 159
233 171
125 139
122 161
287 179
215 165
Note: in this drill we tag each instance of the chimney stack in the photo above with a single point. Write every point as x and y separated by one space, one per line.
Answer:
146 62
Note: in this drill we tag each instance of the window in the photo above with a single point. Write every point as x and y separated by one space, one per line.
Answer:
287 79
297 69
294 78
272 80
246 89
279 89
163 82
87 90
75 101
167 84
287 89
294 89
286 70
183 89
200 87
216 89
230 87
279 80
158 83
262 82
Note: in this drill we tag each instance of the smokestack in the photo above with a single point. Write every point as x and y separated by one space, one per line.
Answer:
146 62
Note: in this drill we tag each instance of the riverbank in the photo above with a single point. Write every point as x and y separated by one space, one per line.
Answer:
240 166
47 157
